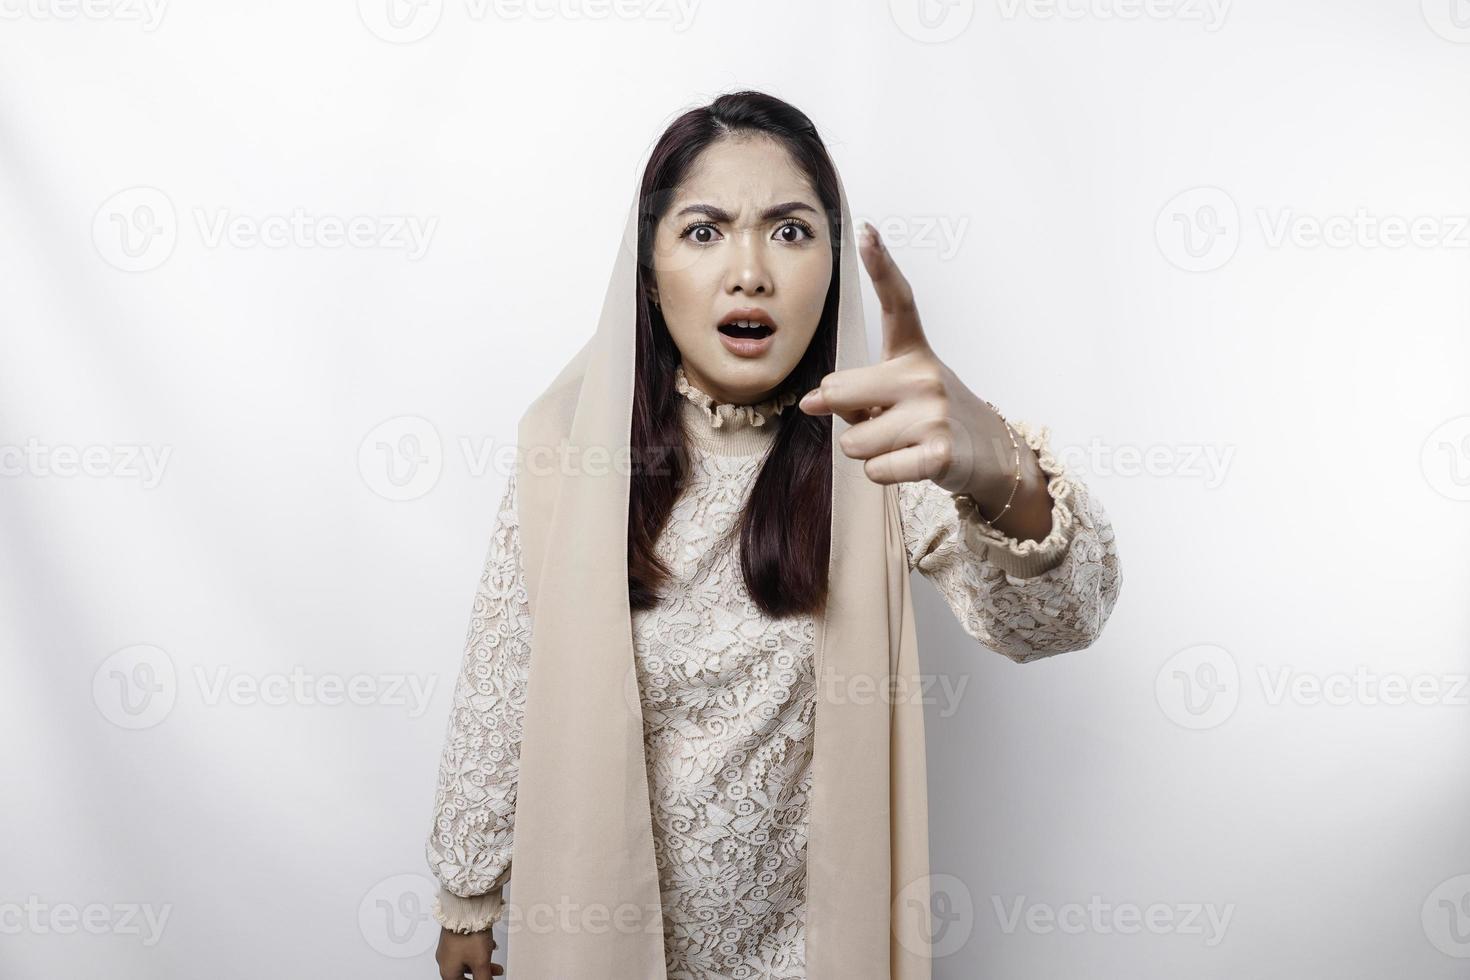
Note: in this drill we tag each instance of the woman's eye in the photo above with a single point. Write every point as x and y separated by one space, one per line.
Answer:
703 232
798 226
693 231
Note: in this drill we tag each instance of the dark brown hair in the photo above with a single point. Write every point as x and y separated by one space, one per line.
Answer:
786 528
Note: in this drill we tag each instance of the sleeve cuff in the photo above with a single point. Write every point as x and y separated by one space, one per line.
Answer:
475 914
1025 559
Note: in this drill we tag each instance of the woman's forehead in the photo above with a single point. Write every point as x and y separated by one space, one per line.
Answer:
744 178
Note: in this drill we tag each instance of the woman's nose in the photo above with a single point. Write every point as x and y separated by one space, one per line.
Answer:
749 270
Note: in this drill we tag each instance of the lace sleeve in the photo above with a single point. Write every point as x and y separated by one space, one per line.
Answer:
1024 599
469 848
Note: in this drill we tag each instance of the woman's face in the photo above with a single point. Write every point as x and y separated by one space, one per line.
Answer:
745 234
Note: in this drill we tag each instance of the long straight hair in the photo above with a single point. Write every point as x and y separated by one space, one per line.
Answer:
786 528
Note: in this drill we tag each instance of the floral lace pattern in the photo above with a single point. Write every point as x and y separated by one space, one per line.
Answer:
1023 618
474 807
728 703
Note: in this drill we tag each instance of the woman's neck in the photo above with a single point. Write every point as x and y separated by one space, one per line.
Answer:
726 428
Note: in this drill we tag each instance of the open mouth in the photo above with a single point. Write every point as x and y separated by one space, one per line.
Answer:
752 331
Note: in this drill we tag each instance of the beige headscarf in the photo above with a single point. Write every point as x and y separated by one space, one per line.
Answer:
584 894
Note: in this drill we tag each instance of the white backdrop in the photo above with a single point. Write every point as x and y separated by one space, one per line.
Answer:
277 280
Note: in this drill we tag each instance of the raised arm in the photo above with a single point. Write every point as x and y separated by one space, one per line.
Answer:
1023 599
469 848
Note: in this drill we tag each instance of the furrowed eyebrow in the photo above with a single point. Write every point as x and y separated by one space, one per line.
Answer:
720 214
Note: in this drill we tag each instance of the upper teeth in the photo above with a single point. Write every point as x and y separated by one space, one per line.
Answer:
746 323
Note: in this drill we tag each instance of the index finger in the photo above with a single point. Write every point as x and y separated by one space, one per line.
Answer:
853 392
901 327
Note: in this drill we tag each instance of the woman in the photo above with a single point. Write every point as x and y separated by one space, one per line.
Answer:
707 756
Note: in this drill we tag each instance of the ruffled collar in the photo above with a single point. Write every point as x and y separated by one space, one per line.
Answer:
727 414
727 428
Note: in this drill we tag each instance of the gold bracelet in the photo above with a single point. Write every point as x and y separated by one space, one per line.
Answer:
1016 486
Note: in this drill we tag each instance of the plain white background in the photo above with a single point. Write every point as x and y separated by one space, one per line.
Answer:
250 464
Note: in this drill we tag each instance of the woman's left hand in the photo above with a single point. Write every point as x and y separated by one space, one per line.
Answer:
911 417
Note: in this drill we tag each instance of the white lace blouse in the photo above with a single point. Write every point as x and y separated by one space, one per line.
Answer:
728 694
